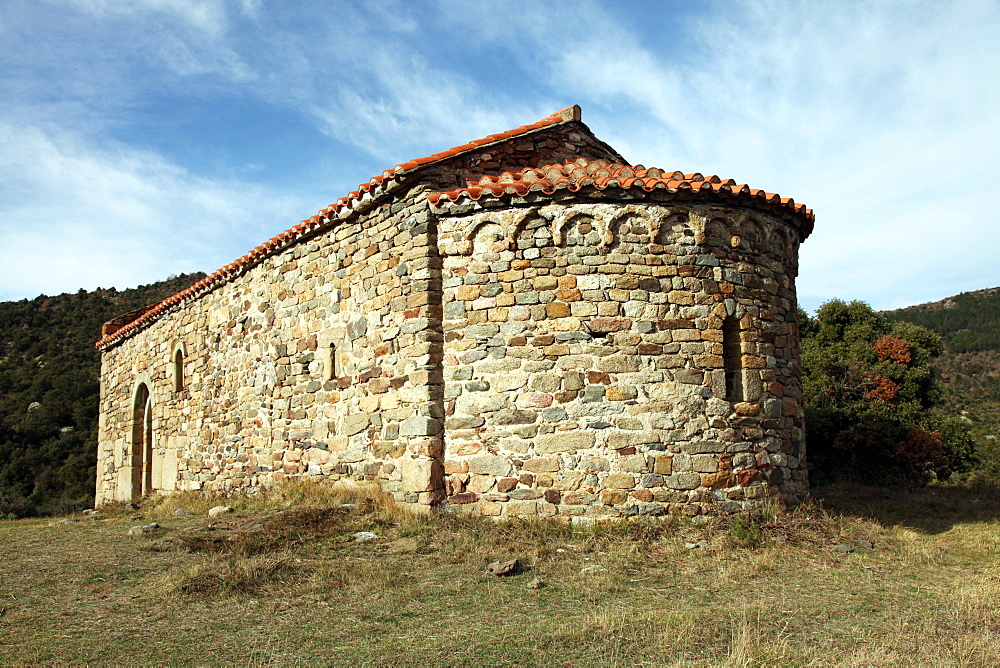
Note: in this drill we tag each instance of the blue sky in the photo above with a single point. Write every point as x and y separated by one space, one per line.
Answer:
144 138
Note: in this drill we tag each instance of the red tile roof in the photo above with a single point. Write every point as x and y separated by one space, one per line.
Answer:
602 175
340 209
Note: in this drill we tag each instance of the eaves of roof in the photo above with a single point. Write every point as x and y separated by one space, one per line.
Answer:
576 175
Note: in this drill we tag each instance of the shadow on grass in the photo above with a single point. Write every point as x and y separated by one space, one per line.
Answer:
932 510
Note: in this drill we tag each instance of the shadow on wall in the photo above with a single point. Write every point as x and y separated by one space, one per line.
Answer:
930 510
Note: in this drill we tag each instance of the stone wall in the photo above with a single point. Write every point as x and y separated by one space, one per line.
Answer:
585 361
311 362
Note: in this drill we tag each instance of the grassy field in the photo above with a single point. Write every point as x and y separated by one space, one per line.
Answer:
284 581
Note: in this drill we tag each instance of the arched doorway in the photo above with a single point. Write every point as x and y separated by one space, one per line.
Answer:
142 442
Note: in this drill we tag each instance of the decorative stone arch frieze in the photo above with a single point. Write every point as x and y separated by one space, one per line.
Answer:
716 233
779 241
489 231
675 227
557 217
486 236
532 230
754 238
642 237
583 228
792 241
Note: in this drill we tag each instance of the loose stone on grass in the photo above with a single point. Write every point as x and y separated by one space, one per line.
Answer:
511 567
143 529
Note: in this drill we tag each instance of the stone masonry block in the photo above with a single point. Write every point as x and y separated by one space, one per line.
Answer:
566 441
623 439
619 481
541 464
490 464
418 425
353 424
421 475
683 481
633 463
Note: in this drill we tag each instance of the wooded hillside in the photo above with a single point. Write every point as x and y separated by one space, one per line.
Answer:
966 322
49 391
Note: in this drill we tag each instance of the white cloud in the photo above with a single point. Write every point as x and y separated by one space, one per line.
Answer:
410 104
206 16
80 215
363 73
123 39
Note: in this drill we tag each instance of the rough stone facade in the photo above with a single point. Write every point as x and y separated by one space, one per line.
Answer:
523 325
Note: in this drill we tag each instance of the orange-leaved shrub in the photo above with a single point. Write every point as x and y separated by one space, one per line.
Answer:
920 454
893 349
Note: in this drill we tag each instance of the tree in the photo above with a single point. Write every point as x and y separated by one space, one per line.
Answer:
872 400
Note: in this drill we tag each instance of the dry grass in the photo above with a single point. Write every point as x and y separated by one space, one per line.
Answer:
283 580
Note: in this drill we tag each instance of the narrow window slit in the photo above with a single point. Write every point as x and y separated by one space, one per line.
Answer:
178 370
732 359
331 367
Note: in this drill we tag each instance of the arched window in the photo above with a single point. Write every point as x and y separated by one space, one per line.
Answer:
177 364
733 359
142 442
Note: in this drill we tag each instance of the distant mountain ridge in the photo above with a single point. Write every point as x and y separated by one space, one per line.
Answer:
947 302
49 390
967 322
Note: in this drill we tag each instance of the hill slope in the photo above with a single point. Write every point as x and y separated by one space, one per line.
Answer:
969 326
49 392
967 322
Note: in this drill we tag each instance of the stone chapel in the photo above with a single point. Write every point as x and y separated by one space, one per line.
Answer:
525 324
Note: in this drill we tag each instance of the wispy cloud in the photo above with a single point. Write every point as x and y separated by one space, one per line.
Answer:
366 75
89 216
410 104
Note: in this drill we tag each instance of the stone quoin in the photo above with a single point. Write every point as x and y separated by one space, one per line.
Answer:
522 325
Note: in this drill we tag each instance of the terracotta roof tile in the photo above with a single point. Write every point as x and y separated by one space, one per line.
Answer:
577 174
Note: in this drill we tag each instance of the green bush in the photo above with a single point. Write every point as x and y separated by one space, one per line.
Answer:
873 402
